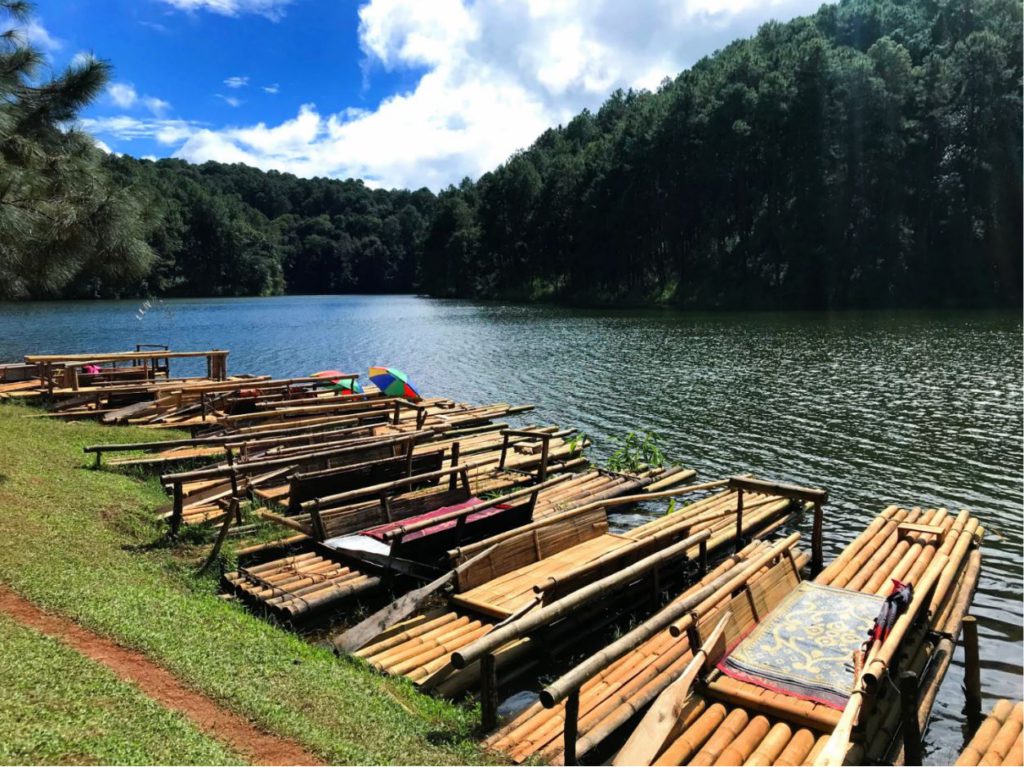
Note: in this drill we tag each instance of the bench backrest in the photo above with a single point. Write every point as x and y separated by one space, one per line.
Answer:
306 486
533 546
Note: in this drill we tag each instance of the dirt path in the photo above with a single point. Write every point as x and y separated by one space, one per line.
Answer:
132 666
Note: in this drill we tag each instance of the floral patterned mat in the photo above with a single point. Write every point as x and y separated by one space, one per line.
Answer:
804 648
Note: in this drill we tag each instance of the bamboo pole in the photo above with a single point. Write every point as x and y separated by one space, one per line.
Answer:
728 581
565 605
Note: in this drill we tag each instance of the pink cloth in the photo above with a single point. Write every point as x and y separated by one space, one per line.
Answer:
378 532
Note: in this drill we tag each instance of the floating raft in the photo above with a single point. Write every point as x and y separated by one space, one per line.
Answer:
998 740
544 564
293 597
729 721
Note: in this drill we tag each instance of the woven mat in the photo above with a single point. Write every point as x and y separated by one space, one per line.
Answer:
804 648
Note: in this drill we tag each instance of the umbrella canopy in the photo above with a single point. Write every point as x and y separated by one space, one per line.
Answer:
341 383
394 383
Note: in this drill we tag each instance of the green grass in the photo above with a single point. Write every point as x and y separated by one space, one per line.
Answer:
59 707
76 541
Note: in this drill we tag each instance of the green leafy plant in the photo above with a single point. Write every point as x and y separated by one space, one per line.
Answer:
577 443
636 452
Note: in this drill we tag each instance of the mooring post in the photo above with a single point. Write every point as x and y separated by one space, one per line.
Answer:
571 728
488 692
739 519
702 556
972 672
817 553
912 754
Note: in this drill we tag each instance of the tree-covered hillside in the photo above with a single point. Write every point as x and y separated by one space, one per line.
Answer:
868 155
224 230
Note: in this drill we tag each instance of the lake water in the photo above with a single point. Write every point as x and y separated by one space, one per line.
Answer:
911 408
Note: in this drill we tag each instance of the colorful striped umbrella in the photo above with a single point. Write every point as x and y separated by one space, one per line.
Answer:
341 383
394 383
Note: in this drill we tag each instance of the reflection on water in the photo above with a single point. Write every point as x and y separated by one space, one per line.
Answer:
879 408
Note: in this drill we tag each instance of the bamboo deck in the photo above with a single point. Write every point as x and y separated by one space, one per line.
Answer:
731 722
571 552
998 741
291 596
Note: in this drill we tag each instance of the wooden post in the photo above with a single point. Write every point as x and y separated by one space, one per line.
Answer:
703 557
221 536
739 520
908 718
409 455
504 450
234 474
972 672
455 462
488 692
817 554
572 715
179 509
318 523
542 472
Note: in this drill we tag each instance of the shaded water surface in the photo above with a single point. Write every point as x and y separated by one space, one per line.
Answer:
916 409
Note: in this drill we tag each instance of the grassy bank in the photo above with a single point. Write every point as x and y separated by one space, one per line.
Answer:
80 542
60 708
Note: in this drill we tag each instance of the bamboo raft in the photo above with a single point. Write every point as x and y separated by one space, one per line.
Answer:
998 741
117 373
294 595
521 583
360 474
720 720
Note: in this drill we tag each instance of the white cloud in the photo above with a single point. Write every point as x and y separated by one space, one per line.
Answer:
102 146
168 132
237 82
495 76
123 94
81 58
231 101
271 9
159 107
272 88
37 35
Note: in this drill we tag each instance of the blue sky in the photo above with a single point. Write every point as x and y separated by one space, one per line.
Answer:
401 93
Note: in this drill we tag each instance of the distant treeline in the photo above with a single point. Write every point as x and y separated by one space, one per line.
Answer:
868 155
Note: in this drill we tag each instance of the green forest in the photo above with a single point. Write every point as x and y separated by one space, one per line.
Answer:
866 156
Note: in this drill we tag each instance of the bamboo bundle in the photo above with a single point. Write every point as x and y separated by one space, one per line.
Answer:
298 585
998 740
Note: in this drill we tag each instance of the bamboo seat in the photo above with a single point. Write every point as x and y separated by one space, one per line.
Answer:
509 592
